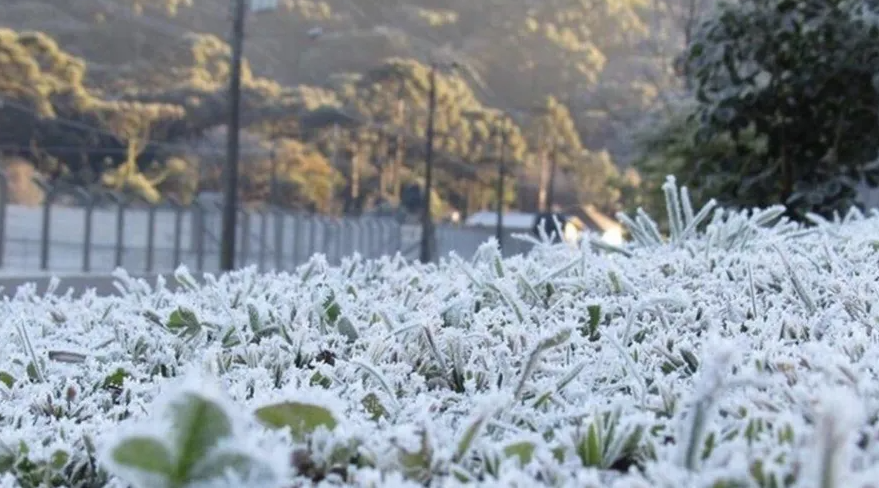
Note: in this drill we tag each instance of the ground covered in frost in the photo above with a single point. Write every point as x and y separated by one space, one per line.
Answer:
740 351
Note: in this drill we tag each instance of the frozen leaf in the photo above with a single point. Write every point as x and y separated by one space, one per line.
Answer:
144 454
523 450
67 357
301 418
116 379
182 319
253 318
199 424
347 329
332 310
372 405
59 459
469 436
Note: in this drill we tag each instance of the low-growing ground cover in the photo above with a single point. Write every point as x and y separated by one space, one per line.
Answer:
740 351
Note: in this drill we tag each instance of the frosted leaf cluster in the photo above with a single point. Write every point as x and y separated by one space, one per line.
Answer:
740 351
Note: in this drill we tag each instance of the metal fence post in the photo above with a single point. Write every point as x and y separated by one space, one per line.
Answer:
178 232
373 249
328 239
44 235
199 236
355 234
380 243
312 236
120 230
340 235
151 237
89 202
388 241
279 240
245 238
297 237
263 235
4 201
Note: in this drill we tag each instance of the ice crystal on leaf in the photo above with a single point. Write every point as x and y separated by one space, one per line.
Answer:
739 350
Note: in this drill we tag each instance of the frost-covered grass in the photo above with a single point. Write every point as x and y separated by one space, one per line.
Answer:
740 351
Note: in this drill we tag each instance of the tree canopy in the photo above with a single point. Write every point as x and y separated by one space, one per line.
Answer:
791 87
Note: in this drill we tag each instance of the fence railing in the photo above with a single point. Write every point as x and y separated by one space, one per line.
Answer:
75 230
98 232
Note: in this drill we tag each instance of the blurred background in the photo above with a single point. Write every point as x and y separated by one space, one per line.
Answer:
113 120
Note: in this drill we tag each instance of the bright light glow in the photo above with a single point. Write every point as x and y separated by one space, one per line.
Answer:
263 5
613 236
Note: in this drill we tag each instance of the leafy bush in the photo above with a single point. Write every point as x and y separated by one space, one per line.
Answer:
737 351
801 76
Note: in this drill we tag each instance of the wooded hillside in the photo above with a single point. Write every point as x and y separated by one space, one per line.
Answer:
131 94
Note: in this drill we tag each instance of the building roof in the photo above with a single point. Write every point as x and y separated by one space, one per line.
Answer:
603 222
512 220
581 218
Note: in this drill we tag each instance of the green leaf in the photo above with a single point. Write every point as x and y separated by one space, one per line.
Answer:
557 340
417 464
633 440
144 454
332 309
253 317
7 458
7 379
691 360
183 318
32 372
469 436
559 453
318 379
593 447
594 318
198 425
229 338
347 329
116 379
499 266
523 450
372 405
216 466
60 459
301 418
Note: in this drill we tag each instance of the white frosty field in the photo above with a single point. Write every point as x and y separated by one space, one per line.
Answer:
739 352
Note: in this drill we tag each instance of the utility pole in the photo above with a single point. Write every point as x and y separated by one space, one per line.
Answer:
380 160
230 200
400 149
502 170
354 167
553 161
334 155
542 177
426 218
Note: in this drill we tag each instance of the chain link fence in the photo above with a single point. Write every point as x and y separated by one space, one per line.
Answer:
77 231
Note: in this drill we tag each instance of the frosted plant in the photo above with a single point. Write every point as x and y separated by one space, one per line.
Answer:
572 365
193 443
840 414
